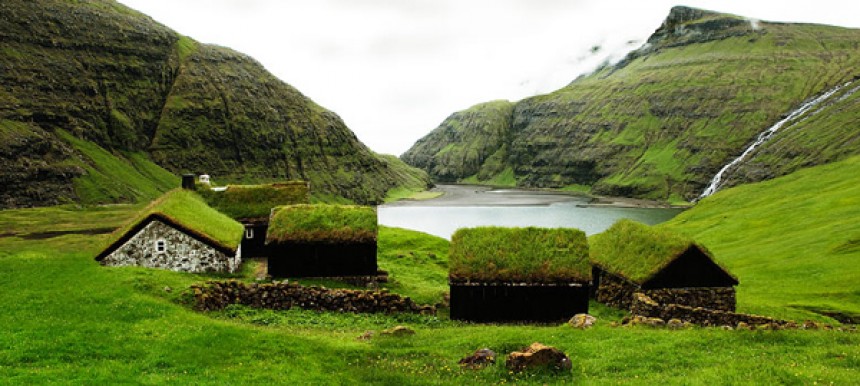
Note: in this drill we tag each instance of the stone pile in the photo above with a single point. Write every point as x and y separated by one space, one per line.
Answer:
216 295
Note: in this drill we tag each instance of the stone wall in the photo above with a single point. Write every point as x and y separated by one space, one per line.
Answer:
617 292
182 252
714 298
643 305
215 295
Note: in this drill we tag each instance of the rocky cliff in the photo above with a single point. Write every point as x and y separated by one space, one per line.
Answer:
661 122
101 104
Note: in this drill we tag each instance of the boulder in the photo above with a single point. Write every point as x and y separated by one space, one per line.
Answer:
480 359
538 355
582 321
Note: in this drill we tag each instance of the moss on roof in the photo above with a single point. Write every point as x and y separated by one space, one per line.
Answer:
245 202
188 210
637 251
533 255
321 223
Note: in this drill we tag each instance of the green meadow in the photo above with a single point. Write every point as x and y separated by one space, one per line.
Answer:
68 320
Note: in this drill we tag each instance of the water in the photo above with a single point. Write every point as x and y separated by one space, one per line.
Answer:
564 211
767 134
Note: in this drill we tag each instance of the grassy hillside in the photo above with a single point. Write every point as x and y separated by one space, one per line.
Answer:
793 242
663 121
87 86
68 320
469 142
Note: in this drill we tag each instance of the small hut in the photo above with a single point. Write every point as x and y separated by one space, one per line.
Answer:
518 274
178 232
322 241
631 257
252 205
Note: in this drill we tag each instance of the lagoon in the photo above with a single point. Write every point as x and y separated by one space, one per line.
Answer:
469 206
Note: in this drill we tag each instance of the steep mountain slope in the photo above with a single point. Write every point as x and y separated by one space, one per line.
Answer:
81 78
664 120
470 142
793 241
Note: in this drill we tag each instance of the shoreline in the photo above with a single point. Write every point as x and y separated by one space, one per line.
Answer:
484 195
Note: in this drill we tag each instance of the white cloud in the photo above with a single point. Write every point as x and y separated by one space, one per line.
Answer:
393 70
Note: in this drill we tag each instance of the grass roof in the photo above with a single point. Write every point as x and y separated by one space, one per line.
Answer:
190 212
533 255
322 223
256 201
637 251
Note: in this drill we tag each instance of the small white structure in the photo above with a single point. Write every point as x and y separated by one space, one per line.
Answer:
204 179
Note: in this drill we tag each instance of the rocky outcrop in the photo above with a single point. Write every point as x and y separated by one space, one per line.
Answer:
95 85
660 123
216 295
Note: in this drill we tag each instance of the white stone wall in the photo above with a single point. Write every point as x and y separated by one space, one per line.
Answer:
182 252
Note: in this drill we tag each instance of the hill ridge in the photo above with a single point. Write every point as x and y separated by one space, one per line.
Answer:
124 83
660 123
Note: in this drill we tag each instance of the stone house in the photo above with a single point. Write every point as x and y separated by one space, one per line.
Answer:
631 257
322 241
177 232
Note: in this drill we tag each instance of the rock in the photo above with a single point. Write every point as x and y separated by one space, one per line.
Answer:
743 326
480 359
675 324
366 336
582 321
655 322
538 355
168 289
398 331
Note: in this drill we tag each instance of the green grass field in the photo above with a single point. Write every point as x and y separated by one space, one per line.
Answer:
793 242
68 320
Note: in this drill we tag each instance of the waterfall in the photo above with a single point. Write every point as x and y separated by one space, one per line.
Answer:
767 134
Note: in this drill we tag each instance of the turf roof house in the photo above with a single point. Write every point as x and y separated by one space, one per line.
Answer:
631 257
518 274
177 232
322 241
252 206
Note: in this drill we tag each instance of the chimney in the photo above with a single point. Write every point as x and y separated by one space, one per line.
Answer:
188 182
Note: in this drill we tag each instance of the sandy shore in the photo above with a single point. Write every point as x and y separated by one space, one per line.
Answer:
475 195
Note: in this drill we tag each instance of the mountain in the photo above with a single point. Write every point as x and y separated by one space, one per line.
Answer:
100 103
660 123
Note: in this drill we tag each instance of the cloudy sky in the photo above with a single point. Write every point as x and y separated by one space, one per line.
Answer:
394 69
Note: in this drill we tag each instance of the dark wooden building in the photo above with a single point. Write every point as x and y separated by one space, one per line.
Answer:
322 241
631 257
252 205
518 274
